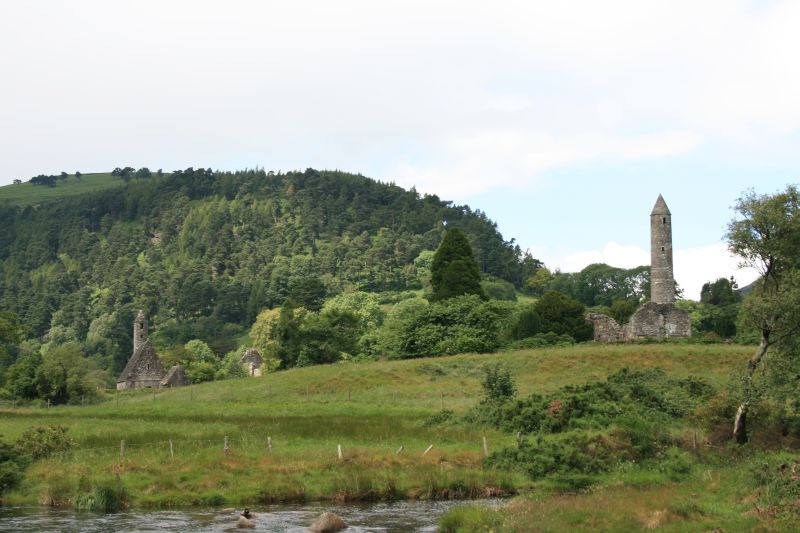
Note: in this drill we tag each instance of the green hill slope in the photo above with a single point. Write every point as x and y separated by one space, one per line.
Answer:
370 409
203 252
25 194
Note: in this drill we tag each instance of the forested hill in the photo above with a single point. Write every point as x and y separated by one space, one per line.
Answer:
199 250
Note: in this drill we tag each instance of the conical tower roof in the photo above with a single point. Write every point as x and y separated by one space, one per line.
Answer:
661 207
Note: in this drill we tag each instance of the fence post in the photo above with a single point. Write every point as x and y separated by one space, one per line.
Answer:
485 447
400 450
171 452
442 400
269 444
225 445
121 450
118 398
429 448
339 451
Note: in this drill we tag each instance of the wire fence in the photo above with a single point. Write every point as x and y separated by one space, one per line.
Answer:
191 448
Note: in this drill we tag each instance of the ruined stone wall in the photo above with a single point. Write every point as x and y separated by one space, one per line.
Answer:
606 329
660 321
139 384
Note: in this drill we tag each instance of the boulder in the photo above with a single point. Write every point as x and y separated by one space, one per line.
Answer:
244 523
327 523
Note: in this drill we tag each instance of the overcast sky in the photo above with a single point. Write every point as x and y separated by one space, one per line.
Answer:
563 121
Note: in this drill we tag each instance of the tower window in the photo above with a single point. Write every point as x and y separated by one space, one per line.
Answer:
662 248
141 326
663 220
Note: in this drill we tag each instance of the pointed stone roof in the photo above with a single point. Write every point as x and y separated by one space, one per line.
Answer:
252 356
661 207
144 364
176 377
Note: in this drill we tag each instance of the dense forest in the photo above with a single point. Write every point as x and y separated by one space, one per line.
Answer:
204 252
308 267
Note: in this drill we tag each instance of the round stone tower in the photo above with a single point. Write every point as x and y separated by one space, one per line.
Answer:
662 280
139 331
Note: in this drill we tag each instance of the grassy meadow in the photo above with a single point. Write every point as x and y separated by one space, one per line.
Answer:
25 194
371 410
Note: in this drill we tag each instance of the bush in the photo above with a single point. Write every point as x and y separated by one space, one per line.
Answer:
587 430
11 467
564 316
498 386
460 324
108 496
499 289
43 441
779 485
575 452
541 340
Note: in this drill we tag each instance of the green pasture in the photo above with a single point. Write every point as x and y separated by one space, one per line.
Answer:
25 194
369 409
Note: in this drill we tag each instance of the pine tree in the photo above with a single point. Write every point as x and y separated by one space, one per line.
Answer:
454 270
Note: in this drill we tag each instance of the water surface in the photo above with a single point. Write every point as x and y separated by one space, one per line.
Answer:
393 517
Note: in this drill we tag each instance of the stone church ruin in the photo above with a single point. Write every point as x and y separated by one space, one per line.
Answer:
144 368
659 317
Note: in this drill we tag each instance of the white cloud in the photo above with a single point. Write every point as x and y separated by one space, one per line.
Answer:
444 93
693 266
471 164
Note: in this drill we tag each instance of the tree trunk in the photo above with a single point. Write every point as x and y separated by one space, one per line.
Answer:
740 422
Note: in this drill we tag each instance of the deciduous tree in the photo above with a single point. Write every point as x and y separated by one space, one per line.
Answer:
766 236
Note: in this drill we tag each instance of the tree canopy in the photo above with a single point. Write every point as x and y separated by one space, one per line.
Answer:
454 271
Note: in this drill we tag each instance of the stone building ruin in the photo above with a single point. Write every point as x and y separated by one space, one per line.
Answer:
659 317
252 362
144 368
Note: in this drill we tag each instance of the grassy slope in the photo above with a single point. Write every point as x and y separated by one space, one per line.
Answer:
307 414
28 194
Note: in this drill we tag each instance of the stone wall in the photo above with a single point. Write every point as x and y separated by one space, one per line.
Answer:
606 328
660 321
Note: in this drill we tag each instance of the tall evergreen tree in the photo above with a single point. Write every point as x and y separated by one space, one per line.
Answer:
454 270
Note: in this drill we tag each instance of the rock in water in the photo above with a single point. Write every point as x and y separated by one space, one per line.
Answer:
244 523
327 523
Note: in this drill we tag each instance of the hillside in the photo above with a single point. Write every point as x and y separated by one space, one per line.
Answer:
25 194
203 252
372 409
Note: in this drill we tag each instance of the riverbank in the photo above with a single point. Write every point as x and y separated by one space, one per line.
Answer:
370 410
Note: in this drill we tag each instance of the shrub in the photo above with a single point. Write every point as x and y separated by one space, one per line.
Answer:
499 289
108 496
540 340
779 485
11 467
497 383
459 324
43 441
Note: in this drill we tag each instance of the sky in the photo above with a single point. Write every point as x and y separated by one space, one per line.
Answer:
562 121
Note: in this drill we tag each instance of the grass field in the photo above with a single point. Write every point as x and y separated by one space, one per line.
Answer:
25 194
370 409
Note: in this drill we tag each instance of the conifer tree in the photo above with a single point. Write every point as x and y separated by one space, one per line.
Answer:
454 270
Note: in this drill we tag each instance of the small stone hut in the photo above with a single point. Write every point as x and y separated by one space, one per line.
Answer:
175 377
252 362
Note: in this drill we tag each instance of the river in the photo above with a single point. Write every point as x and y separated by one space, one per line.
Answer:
405 516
